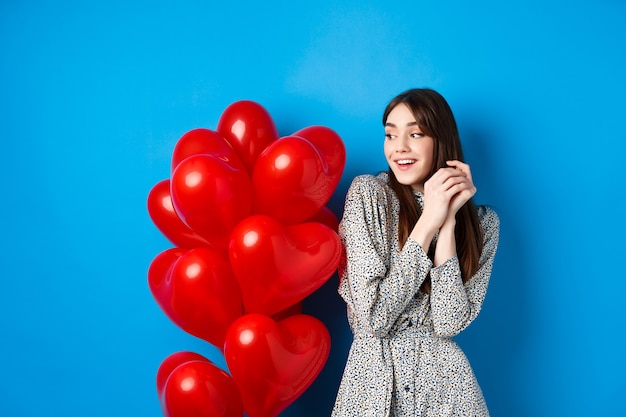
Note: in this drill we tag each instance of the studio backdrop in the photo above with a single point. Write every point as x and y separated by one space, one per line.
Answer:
94 96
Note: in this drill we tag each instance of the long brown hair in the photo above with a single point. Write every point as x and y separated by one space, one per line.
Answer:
434 117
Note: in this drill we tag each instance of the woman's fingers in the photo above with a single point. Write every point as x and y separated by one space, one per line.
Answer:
444 173
465 169
461 166
449 177
448 190
462 193
462 190
447 182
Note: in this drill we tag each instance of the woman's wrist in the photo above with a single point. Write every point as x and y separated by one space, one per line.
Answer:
446 243
448 226
423 232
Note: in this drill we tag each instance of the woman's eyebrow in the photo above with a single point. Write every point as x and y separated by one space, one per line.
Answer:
408 124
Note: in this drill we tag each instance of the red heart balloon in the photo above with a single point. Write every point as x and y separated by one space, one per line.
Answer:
167 221
329 145
210 196
273 363
198 292
200 389
290 181
159 274
277 266
204 141
249 128
170 363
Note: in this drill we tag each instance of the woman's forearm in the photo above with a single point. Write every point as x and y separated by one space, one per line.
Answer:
446 243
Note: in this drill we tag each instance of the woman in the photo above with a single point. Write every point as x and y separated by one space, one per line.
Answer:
418 257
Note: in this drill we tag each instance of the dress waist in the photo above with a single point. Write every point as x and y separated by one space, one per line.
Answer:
404 330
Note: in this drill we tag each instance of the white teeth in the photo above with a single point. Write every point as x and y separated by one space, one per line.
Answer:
406 161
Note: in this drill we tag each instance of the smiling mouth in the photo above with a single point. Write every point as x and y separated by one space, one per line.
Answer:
404 162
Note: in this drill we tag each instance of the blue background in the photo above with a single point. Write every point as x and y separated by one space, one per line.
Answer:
94 95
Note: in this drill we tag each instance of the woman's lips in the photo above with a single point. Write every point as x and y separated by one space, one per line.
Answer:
404 164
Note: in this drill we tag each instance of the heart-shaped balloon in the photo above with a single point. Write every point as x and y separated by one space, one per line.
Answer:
172 362
273 363
198 292
330 146
204 141
210 196
249 128
198 388
290 181
277 266
159 276
167 221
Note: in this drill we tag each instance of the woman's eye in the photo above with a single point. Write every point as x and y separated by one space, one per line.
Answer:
389 136
417 135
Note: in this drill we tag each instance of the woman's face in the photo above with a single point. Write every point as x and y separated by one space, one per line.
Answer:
408 151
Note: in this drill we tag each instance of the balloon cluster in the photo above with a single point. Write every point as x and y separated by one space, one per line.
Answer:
246 211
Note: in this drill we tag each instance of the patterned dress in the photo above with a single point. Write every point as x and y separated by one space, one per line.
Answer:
403 361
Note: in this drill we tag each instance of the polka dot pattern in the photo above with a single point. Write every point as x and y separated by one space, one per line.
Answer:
403 360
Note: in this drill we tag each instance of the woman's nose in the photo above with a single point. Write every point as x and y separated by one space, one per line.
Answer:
402 145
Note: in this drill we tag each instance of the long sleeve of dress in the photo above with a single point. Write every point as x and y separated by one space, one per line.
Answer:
454 305
375 288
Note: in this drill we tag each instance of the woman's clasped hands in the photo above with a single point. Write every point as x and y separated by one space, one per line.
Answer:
446 191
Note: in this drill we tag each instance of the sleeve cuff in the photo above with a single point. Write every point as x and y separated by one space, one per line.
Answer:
415 251
446 268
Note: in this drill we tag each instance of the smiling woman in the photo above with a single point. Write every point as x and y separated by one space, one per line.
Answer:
407 288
